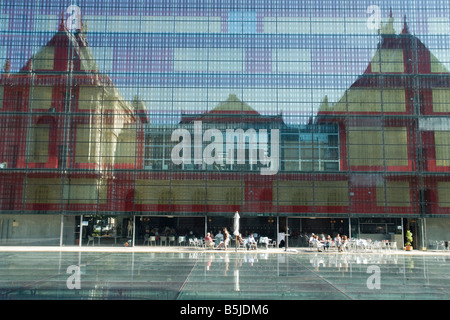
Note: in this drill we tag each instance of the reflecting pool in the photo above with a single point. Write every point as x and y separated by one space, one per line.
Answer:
222 276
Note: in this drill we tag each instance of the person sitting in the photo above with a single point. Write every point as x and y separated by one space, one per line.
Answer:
240 240
337 240
209 243
327 243
251 243
316 243
342 244
219 238
311 240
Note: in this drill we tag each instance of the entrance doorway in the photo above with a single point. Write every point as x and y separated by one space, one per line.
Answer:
106 230
258 226
168 226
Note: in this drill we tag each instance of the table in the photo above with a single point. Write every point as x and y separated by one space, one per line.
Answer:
106 237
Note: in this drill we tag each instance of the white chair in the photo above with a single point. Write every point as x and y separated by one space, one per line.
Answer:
91 238
253 245
317 245
209 244
198 242
361 244
272 243
264 241
191 242
332 245
393 245
364 245
377 246
146 238
163 239
152 239
171 240
181 239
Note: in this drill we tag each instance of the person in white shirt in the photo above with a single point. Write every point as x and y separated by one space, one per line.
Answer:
251 243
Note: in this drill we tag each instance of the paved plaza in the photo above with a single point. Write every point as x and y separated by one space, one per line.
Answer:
185 273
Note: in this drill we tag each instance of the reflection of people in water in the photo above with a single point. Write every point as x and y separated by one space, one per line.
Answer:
209 262
224 257
250 259
227 264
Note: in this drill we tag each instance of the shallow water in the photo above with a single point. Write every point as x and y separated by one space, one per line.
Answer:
222 276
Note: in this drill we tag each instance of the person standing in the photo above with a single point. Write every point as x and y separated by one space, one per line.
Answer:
226 238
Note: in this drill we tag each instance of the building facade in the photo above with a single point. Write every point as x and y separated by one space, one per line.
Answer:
121 119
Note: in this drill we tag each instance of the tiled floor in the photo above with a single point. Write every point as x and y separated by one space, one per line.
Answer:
194 274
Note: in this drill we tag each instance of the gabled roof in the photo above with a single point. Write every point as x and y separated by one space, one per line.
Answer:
231 110
234 105
394 49
69 53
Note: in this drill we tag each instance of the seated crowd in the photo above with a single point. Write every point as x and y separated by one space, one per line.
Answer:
221 240
324 243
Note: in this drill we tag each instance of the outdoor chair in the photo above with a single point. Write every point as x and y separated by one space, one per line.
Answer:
440 245
393 246
152 240
316 245
146 239
377 246
264 241
332 245
209 244
198 242
273 244
181 239
163 239
171 240
362 245
91 238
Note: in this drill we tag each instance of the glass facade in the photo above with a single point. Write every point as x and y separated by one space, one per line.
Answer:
124 119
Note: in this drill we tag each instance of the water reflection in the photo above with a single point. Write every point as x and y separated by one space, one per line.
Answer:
222 275
340 261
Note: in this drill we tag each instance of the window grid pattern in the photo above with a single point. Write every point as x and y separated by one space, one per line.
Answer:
92 94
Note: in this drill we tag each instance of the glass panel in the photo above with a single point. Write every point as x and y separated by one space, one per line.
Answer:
273 108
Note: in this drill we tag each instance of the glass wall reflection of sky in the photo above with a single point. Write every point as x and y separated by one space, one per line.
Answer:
187 57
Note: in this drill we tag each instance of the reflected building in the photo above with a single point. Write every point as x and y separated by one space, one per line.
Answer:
65 130
83 155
